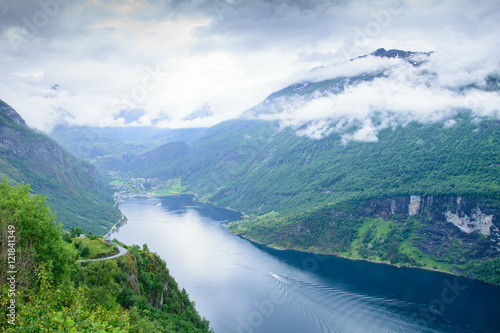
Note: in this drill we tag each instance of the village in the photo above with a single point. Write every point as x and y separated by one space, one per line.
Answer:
125 187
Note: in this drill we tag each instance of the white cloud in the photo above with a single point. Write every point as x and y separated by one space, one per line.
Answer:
227 59
406 94
35 75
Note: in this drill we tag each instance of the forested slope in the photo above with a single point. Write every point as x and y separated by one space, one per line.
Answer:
257 167
73 186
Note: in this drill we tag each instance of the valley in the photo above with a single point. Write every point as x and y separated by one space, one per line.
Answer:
298 166
420 194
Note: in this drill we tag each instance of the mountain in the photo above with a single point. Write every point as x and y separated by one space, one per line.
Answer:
258 167
455 155
420 193
317 87
121 142
76 193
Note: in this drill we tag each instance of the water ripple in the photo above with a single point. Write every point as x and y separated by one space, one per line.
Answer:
337 310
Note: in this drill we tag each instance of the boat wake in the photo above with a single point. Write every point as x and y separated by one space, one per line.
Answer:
339 310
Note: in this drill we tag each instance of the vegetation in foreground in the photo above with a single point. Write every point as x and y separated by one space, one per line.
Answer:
54 293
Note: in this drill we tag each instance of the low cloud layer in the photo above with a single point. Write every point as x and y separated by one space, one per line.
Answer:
196 63
427 93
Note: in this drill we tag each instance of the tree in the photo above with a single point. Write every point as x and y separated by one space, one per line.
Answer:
99 276
67 237
56 309
75 232
35 229
84 251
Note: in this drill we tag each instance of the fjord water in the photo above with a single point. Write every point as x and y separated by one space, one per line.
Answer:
243 287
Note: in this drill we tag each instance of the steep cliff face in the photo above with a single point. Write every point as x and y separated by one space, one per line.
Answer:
72 185
148 288
451 233
444 220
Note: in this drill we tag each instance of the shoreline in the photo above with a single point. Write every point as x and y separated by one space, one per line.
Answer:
216 205
359 259
117 225
304 251
329 254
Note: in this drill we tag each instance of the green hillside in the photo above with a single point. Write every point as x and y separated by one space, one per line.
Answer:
256 167
76 193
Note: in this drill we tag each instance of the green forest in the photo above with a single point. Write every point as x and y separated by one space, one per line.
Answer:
280 171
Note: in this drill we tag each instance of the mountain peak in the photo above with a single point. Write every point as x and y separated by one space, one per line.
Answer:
394 53
391 53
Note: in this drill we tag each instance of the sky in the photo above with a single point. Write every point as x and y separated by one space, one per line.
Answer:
194 63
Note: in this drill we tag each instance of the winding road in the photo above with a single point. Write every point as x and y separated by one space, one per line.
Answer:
119 254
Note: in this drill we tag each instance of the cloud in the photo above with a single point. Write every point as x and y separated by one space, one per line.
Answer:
172 59
427 93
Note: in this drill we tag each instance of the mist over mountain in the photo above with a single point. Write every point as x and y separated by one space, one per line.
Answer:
378 91
94 142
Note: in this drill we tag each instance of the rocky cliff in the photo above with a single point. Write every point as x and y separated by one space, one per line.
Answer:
445 221
451 233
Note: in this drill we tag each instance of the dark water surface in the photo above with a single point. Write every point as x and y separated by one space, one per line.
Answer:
243 287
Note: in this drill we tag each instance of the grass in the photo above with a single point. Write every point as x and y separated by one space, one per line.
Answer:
172 186
97 247
71 249
167 192
270 215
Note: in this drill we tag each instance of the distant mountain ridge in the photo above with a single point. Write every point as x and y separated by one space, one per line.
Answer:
74 189
95 142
